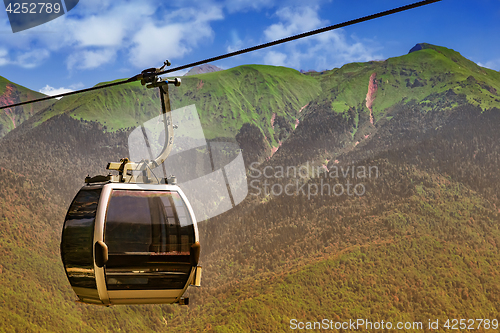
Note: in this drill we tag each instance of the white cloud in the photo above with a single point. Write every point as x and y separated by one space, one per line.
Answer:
244 5
90 59
236 42
51 91
4 60
324 51
147 32
491 64
32 59
275 58
293 21
154 42
111 26
99 30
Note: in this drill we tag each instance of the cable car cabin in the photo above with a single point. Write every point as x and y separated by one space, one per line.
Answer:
130 244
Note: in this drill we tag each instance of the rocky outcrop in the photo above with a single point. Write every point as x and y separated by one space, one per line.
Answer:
202 69
417 47
272 120
370 95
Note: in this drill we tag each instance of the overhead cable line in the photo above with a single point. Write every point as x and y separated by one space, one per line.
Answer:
235 53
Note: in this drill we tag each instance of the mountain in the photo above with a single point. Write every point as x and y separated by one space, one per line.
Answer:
360 98
202 69
438 77
11 93
418 237
225 101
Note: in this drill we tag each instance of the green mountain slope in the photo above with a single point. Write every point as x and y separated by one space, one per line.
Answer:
246 94
11 93
424 76
411 95
225 100
434 77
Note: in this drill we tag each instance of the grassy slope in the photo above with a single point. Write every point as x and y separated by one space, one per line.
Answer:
115 107
225 100
438 69
252 93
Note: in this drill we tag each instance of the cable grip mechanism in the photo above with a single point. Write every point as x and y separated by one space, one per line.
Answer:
125 167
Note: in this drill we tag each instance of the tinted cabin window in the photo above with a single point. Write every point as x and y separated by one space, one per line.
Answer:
77 239
128 223
149 235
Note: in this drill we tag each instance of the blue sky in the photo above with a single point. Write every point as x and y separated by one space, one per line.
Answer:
106 40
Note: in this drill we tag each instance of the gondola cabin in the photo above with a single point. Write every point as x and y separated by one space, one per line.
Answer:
130 244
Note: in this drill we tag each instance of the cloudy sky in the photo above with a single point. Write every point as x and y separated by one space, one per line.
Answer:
103 40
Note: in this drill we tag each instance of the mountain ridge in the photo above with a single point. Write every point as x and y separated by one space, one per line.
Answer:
446 73
202 69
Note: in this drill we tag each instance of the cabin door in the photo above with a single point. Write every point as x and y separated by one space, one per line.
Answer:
148 235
